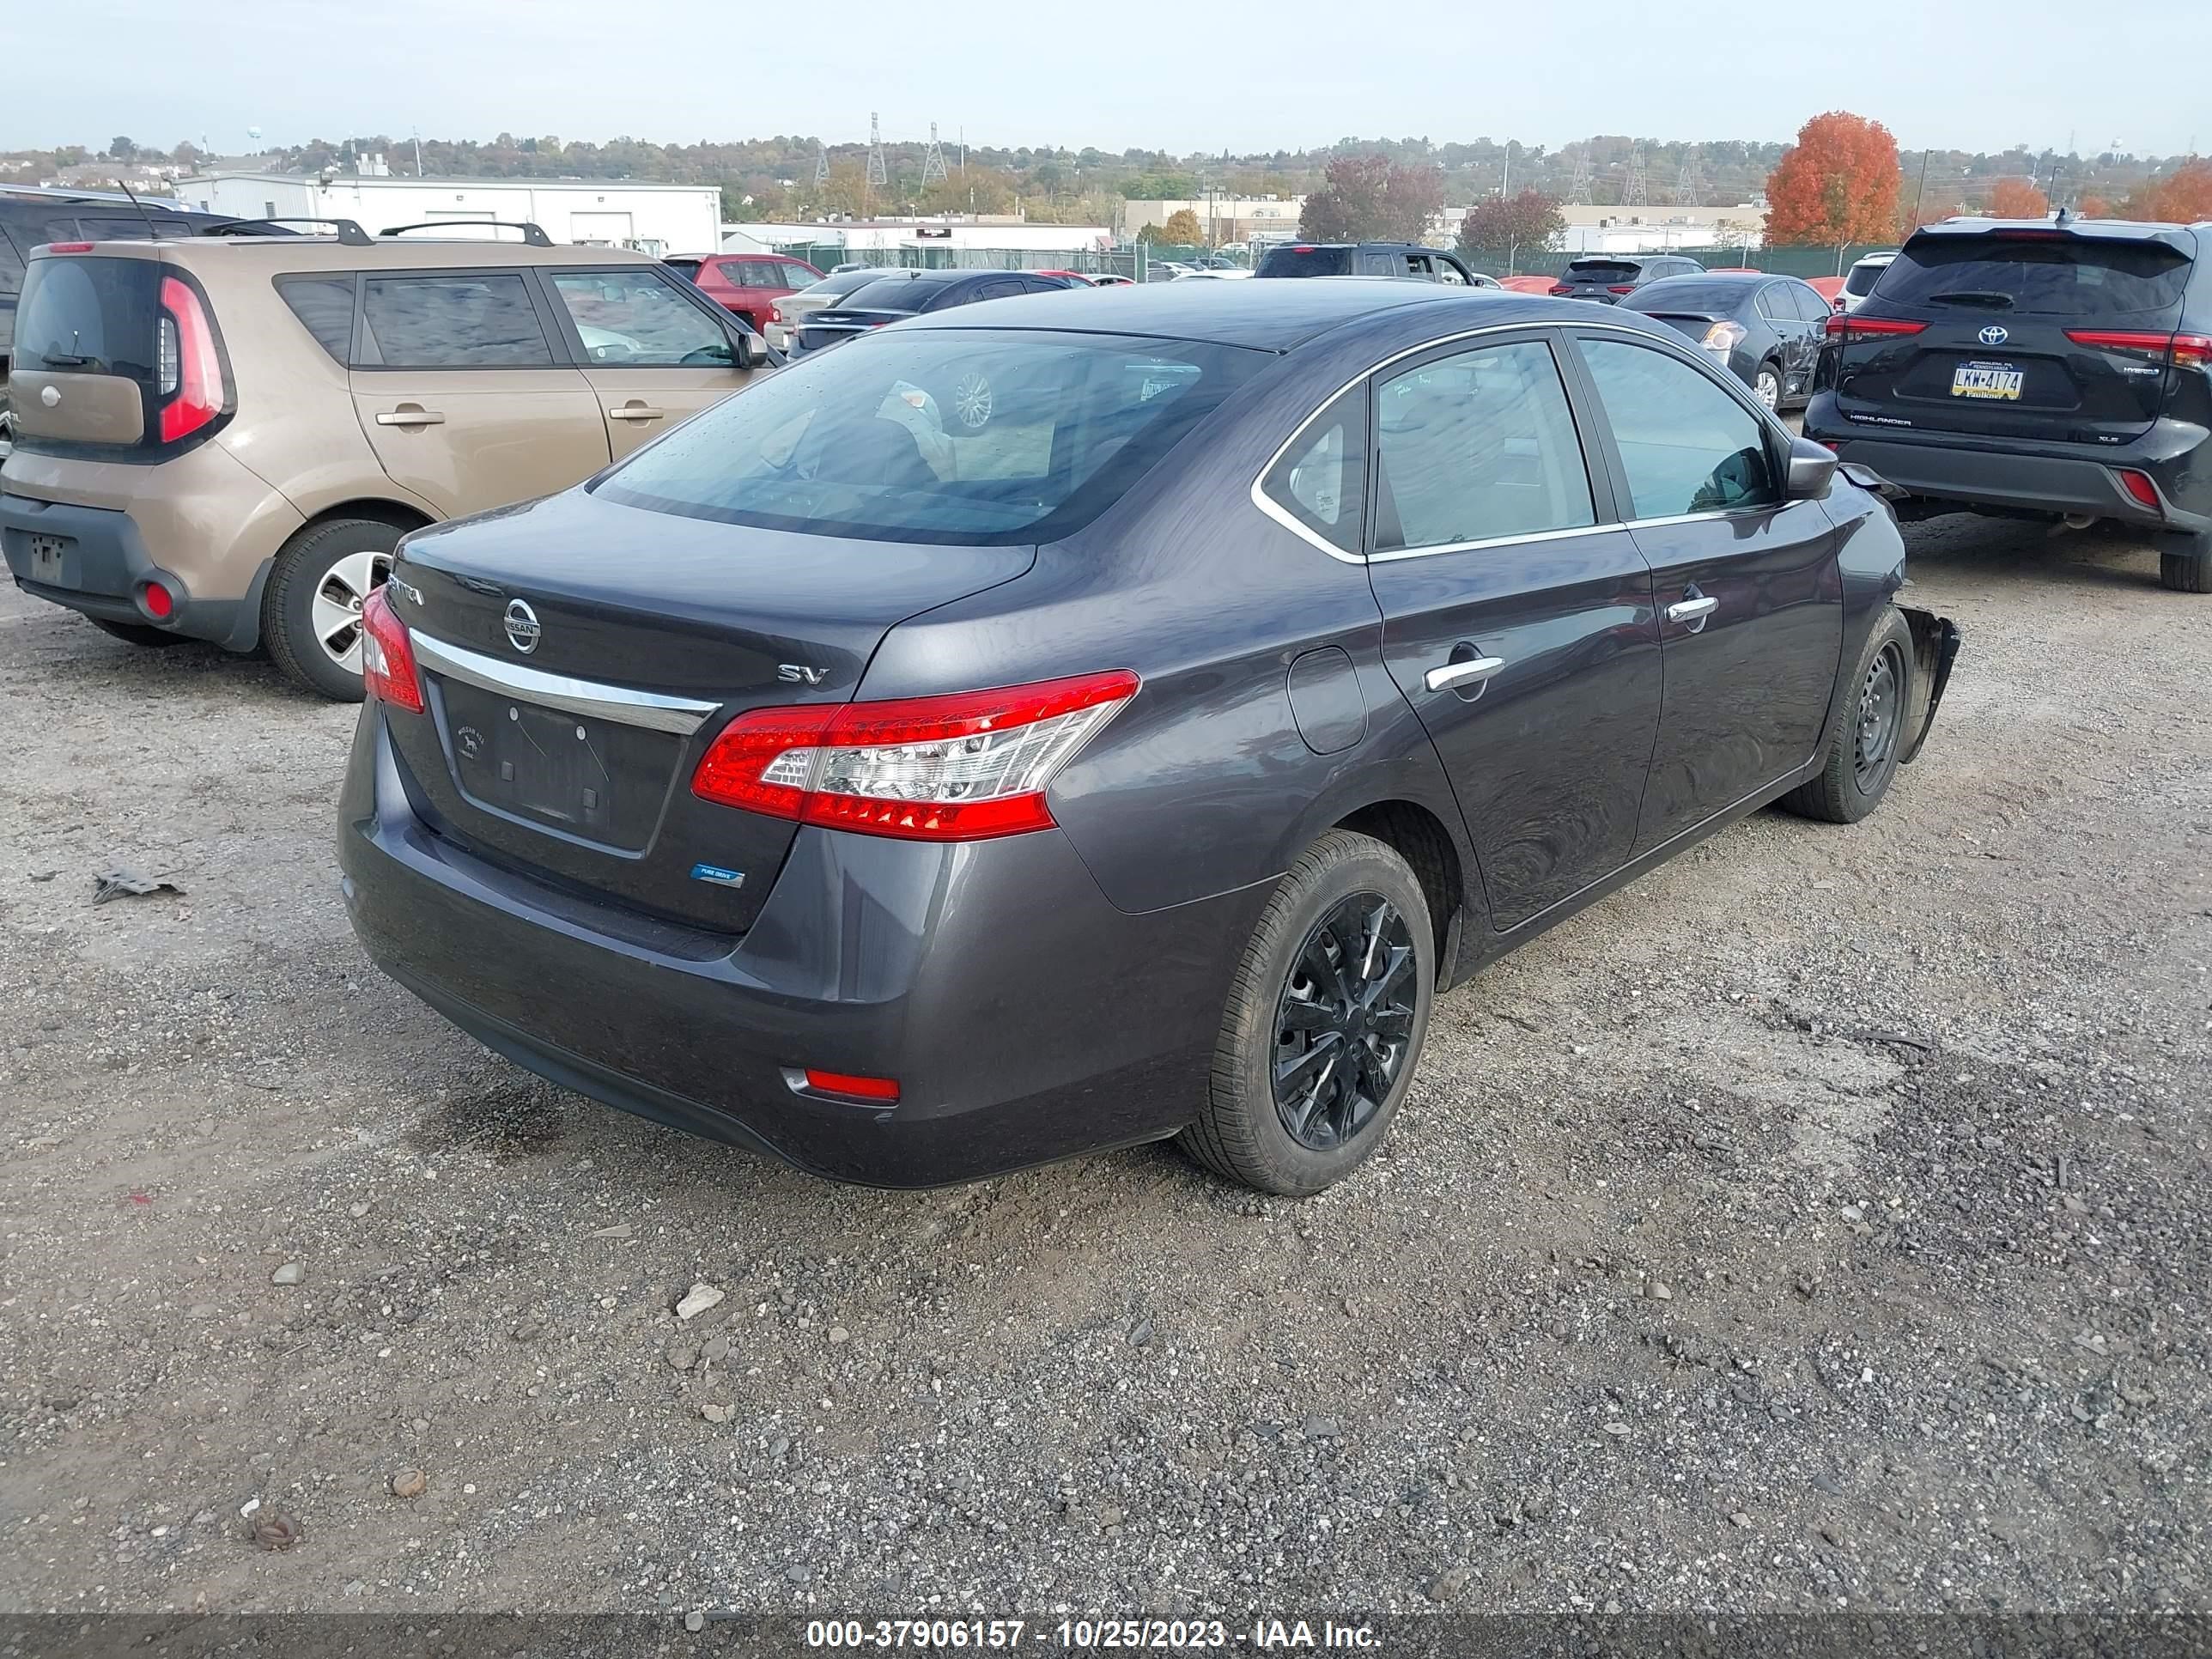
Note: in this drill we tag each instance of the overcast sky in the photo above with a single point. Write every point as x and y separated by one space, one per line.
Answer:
1159 72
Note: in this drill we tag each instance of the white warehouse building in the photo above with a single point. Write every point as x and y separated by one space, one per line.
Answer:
617 212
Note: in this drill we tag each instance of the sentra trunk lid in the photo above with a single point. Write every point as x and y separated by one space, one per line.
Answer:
578 654
2042 332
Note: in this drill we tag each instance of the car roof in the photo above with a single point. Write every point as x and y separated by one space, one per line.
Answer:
403 253
1259 316
1717 279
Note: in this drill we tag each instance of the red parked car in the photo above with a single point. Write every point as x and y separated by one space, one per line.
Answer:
750 284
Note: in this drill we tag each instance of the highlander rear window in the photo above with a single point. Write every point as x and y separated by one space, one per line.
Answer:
1305 261
88 316
1602 270
966 435
2058 276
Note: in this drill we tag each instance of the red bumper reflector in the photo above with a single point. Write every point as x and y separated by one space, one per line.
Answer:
156 601
856 1088
2138 484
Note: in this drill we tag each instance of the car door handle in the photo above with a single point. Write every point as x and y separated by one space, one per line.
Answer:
1684 611
634 412
1472 672
409 415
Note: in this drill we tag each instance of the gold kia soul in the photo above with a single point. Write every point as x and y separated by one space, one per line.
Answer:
222 437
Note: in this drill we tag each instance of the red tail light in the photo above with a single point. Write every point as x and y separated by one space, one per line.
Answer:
1620 288
1849 326
2184 350
387 656
2138 485
189 373
961 768
1561 288
68 247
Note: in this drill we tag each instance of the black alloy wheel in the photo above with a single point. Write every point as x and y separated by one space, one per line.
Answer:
1344 1022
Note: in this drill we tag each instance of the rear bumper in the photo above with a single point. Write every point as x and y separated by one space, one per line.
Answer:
103 562
2057 479
1024 1019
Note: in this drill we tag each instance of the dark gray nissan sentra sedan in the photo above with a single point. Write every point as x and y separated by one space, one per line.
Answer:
1070 721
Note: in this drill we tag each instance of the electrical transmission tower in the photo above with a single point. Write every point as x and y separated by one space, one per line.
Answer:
821 163
1578 192
1637 189
1690 186
932 165
878 174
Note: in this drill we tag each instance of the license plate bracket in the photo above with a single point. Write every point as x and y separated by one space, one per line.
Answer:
599 780
50 559
1984 380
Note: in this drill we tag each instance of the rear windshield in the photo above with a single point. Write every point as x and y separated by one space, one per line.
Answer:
88 316
1305 261
2061 276
967 435
1862 280
1602 270
845 282
1715 297
900 293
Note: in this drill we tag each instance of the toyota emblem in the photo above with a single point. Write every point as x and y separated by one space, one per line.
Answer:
522 629
1994 334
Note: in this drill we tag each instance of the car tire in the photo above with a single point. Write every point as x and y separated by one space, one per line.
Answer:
2189 569
1341 894
322 576
137 634
1870 734
1767 386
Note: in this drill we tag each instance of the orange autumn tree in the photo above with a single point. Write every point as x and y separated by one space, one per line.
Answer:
1839 185
2184 197
2093 207
2016 199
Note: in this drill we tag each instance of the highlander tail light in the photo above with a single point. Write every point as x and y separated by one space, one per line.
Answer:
387 656
188 372
1561 288
2183 350
1849 326
1620 288
961 768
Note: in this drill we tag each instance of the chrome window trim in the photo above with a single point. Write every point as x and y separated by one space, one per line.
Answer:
618 703
1274 510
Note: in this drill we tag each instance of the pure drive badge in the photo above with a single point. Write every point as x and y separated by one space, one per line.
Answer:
718 875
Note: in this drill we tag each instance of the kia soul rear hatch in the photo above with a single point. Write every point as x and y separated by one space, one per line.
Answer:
579 656
2038 332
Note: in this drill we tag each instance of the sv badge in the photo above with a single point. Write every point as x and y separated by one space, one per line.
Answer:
799 673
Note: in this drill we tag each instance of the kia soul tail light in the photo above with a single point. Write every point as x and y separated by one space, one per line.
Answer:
966 767
187 368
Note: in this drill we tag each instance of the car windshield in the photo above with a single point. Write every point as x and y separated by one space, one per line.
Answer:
1306 262
1716 298
967 435
2050 273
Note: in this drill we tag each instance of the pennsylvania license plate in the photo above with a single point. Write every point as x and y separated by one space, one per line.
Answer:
46 556
2000 381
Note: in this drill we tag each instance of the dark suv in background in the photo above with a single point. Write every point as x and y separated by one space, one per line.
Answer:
1606 277
1427 264
2049 368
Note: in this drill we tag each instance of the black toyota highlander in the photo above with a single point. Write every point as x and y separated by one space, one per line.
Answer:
2057 368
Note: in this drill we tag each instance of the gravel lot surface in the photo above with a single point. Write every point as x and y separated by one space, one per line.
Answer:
1822 1221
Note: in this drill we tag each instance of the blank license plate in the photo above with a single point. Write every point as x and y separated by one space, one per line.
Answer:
46 554
1998 381
592 778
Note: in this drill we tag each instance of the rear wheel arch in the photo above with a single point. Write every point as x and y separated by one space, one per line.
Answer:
1417 836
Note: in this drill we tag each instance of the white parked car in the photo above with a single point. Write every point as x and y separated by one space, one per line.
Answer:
1860 281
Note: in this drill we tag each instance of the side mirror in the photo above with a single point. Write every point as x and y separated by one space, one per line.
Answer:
748 350
1812 470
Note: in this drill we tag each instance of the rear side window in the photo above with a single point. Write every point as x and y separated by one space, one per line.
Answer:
1478 446
969 435
324 306
1685 444
2058 276
1321 479
454 322
89 316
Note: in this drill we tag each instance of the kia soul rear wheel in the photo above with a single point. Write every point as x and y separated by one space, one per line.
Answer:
1326 1014
311 617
